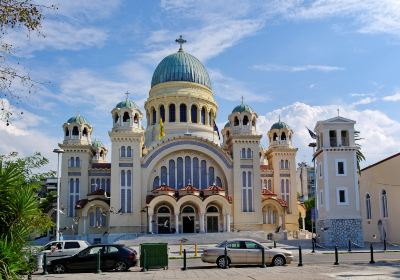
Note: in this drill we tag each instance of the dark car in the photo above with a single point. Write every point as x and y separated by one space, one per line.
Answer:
112 257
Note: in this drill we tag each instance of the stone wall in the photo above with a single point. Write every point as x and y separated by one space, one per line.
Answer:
337 232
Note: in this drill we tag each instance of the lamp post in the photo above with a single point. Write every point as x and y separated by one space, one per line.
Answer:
58 152
146 210
313 145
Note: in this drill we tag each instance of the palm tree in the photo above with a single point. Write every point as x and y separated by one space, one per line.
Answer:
20 215
359 155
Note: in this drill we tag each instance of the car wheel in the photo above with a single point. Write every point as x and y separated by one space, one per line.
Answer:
59 268
278 261
120 266
221 262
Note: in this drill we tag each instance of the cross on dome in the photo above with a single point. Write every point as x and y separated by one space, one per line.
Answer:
127 95
180 41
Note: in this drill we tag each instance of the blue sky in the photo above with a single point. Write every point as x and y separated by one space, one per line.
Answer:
301 60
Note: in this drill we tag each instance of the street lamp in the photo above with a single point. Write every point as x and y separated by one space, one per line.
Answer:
58 152
146 210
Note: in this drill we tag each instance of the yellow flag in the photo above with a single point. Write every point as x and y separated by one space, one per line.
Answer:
162 133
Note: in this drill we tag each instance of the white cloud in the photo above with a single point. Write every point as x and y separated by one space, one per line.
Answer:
365 101
395 97
380 134
299 68
231 89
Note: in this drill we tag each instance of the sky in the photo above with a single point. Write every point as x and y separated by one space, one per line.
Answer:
301 60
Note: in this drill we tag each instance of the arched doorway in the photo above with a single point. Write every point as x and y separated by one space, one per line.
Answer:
188 219
212 218
163 219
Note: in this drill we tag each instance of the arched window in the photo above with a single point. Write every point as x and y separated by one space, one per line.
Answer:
203 115
286 164
179 172
282 164
253 122
368 206
126 118
275 137
182 113
75 131
245 120
188 209
211 177
73 196
163 210
77 162
171 112
287 192
129 151
249 153
282 187
85 132
92 185
250 191
243 153
123 154
188 170
153 116
72 162
210 118
116 118
196 171
212 209
218 182
123 181
66 131
136 118
171 173
236 121
162 113
385 213
101 153
203 174
156 182
103 183
97 183
164 175
283 136
194 113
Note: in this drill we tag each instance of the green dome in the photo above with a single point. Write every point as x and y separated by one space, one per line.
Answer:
279 125
242 108
77 119
181 66
227 125
97 144
127 104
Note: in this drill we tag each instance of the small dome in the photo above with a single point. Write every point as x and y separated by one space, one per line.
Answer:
242 108
181 66
279 125
77 119
227 125
97 144
127 104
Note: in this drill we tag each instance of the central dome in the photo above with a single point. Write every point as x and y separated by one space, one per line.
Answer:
181 66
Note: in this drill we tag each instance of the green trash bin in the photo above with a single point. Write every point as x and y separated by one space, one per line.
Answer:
154 255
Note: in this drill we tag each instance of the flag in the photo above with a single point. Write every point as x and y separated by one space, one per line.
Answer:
216 129
162 133
312 134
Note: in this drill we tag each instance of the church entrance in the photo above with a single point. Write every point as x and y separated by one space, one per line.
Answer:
212 219
163 220
188 218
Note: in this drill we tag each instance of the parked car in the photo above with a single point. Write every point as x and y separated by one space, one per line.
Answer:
112 257
60 249
245 251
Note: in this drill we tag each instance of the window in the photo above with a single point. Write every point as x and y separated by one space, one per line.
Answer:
252 245
116 118
182 113
243 153
77 162
66 131
126 118
85 132
196 175
156 182
340 167
72 162
245 120
283 136
112 249
203 115
282 164
188 170
92 185
171 112
275 137
136 118
236 121
194 113
153 115
180 172
129 151
341 196
73 195
384 203
210 120
71 245
332 138
211 177
234 245
108 185
247 192
286 164
126 191
218 182
203 173
97 218
75 131
171 173
164 175
270 184
345 137
285 190
123 154
249 153
162 113
368 206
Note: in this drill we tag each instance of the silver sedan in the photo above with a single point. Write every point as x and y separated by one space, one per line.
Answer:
245 251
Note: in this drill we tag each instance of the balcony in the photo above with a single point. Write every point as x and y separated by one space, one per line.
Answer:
244 129
280 143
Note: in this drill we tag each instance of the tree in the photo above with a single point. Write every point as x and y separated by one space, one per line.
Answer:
310 203
21 16
359 154
20 215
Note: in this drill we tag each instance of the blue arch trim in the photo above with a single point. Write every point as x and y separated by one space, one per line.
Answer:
214 150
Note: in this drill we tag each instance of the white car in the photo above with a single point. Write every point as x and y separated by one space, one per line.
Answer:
60 249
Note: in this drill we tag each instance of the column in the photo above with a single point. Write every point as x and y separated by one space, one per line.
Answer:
303 220
84 224
176 223
202 222
228 223
150 225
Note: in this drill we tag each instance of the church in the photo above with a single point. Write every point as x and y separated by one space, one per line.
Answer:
178 173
